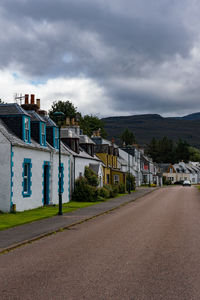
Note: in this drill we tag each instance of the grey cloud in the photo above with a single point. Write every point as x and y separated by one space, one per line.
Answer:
97 39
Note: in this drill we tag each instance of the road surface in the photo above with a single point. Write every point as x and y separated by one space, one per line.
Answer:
148 249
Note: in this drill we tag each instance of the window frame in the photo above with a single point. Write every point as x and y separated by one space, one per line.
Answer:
26 177
114 179
26 134
56 137
42 134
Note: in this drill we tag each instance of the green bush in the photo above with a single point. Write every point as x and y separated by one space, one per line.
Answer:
130 180
91 177
109 188
166 181
115 190
104 193
83 192
122 189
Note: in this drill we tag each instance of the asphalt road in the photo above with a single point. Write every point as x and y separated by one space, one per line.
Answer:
148 249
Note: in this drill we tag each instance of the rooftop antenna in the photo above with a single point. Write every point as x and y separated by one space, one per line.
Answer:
18 97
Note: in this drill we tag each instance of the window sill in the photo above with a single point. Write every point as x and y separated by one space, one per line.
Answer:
26 195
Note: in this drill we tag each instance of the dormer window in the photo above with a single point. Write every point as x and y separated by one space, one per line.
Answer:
56 138
42 134
26 129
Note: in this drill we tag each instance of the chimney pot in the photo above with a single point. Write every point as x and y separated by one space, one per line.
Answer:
26 99
32 99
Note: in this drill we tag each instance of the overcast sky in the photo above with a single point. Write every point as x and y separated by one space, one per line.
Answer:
116 57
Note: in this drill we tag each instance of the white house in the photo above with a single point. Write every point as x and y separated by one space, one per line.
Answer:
81 150
29 170
131 155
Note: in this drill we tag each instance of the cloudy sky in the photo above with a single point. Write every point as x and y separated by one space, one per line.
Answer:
116 57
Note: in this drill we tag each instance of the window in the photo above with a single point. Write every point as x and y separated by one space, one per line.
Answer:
56 138
116 179
26 175
108 178
26 129
42 134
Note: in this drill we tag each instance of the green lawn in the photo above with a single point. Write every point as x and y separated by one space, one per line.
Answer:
8 220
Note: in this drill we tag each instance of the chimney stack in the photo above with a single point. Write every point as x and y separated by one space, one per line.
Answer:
38 103
32 99
26 99
42 112
68 121
72 121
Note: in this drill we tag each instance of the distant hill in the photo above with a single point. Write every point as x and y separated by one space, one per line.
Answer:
147 126
194 116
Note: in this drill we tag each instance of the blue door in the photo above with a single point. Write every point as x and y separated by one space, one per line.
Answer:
46 182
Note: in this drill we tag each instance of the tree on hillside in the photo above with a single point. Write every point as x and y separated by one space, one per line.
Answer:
1 101
66 107
182 151
127 137
90 123
166 150
194 154
153 149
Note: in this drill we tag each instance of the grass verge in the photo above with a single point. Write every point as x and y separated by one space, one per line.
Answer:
8 220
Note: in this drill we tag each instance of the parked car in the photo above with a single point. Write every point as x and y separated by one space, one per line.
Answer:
179 182
186 183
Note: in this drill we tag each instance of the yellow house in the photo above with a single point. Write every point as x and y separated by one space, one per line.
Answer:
108 154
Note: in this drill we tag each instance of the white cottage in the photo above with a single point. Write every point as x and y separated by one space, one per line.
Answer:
29 172
81 150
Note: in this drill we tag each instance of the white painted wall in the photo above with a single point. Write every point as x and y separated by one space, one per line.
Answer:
5 174
134 164
81 163
65 160
37 159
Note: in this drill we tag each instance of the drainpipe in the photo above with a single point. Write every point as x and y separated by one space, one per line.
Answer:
74 172
11 162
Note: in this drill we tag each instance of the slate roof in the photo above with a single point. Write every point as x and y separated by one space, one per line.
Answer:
15 141
81 154
35 117
49 121
67 133
11 109
164 167
84 139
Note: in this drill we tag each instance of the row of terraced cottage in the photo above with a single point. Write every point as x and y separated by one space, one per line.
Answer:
29 160
177 173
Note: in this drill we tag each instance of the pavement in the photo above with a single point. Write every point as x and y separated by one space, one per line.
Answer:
20 235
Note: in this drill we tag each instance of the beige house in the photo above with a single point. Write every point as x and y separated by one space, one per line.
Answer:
169 172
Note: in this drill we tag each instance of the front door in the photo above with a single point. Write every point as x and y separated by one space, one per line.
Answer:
46 184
